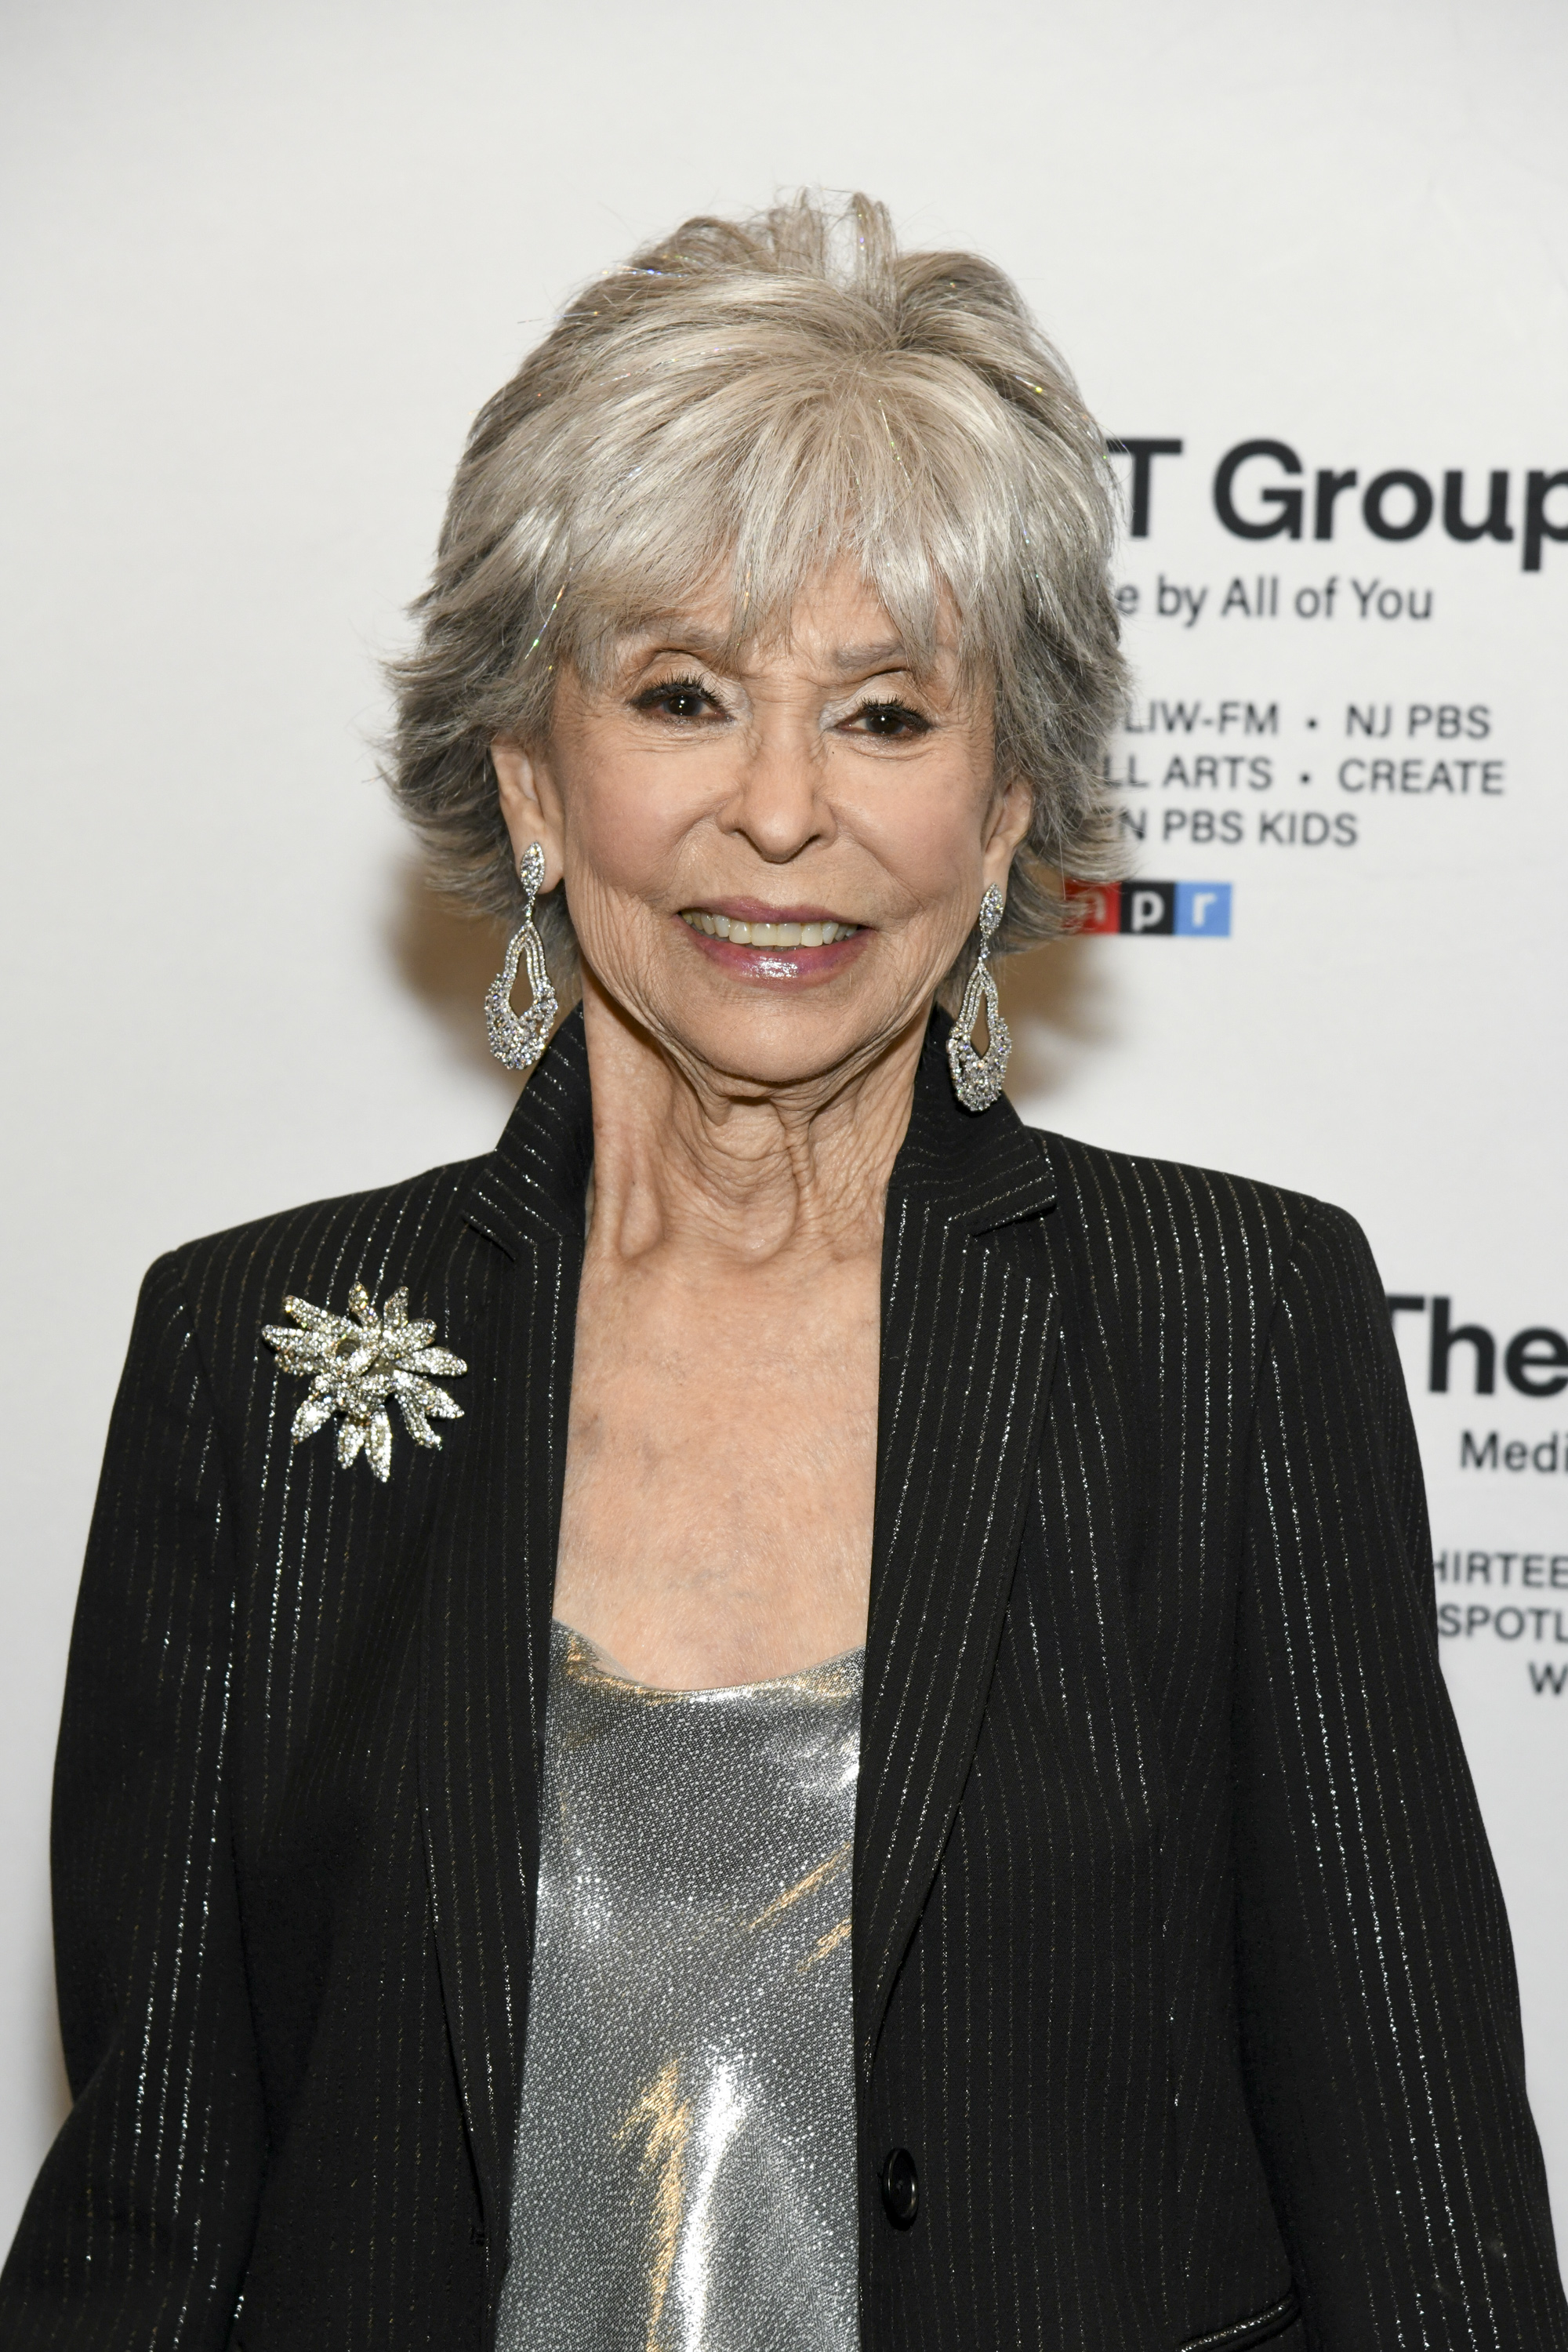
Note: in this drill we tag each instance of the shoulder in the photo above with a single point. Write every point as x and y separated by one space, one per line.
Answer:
226 1285
1193 1239
1136 1195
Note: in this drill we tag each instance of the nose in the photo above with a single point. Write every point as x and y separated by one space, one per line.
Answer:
779 804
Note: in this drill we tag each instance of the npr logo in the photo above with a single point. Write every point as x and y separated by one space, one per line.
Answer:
1188 910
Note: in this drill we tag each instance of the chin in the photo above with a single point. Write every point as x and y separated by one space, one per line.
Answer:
786 1048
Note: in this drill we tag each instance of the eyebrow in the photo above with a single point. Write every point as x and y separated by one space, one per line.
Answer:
673 635
893 653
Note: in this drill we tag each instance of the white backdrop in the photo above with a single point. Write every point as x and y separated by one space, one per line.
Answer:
261 267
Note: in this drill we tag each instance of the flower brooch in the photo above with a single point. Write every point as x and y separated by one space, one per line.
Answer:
354 1363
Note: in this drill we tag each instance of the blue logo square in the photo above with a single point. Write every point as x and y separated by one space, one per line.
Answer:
1203 910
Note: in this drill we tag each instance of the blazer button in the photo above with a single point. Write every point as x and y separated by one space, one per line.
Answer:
901 2189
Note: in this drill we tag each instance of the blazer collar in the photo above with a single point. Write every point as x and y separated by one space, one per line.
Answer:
979 1171
535 1180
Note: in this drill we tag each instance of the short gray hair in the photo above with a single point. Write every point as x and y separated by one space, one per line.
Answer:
750 400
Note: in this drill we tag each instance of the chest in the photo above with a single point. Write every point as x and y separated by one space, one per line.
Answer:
721 1461
739 1379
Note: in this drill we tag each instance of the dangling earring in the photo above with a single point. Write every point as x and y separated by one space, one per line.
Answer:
518 1039
977 1078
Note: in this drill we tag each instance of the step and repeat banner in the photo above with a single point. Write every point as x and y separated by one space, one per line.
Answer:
1339 960
261 268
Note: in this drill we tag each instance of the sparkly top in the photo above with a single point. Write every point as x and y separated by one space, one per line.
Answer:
684 2176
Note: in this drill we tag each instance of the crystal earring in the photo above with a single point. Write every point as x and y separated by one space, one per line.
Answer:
977 1078
518 1039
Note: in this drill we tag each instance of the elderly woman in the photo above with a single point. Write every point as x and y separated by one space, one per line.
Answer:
862 1759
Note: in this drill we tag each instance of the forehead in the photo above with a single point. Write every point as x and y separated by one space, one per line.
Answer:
837 626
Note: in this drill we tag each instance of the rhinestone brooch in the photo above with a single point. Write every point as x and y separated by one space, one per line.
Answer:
355 1363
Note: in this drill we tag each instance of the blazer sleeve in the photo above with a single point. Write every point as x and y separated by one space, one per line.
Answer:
1379 2011
139 2227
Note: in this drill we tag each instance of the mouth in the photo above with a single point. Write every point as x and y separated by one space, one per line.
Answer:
784 946
817 932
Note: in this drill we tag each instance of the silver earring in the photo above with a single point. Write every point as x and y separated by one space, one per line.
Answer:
977 1078
518 1039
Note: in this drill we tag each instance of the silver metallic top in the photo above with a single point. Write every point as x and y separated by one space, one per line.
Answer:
684 2178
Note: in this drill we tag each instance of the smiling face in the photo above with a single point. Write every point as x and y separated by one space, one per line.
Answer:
771 861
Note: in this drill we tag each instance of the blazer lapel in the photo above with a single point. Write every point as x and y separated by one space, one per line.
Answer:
488 1603
969 1336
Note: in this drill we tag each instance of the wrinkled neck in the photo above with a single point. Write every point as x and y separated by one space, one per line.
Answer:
687 1155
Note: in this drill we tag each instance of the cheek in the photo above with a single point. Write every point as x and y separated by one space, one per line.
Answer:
929 834
626 819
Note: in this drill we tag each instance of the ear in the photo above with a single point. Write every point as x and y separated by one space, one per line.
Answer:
529 803
1005 828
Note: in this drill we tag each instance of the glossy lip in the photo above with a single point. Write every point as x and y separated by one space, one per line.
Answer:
774 967
757 910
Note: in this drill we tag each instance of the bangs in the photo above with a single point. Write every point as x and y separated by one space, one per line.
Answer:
755 472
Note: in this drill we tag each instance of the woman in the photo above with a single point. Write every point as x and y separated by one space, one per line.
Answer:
881 1777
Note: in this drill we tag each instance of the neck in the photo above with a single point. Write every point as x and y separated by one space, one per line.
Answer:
690 1157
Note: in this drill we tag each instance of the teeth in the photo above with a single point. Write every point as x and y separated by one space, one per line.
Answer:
769 935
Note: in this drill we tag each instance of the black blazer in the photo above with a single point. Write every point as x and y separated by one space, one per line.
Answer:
1179 1965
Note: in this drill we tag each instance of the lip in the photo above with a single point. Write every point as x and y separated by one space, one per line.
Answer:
780 968
758 910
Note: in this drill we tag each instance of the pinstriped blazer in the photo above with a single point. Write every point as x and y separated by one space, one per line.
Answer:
1180 1965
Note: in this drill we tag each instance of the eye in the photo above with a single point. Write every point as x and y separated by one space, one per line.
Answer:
887 722
678 697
